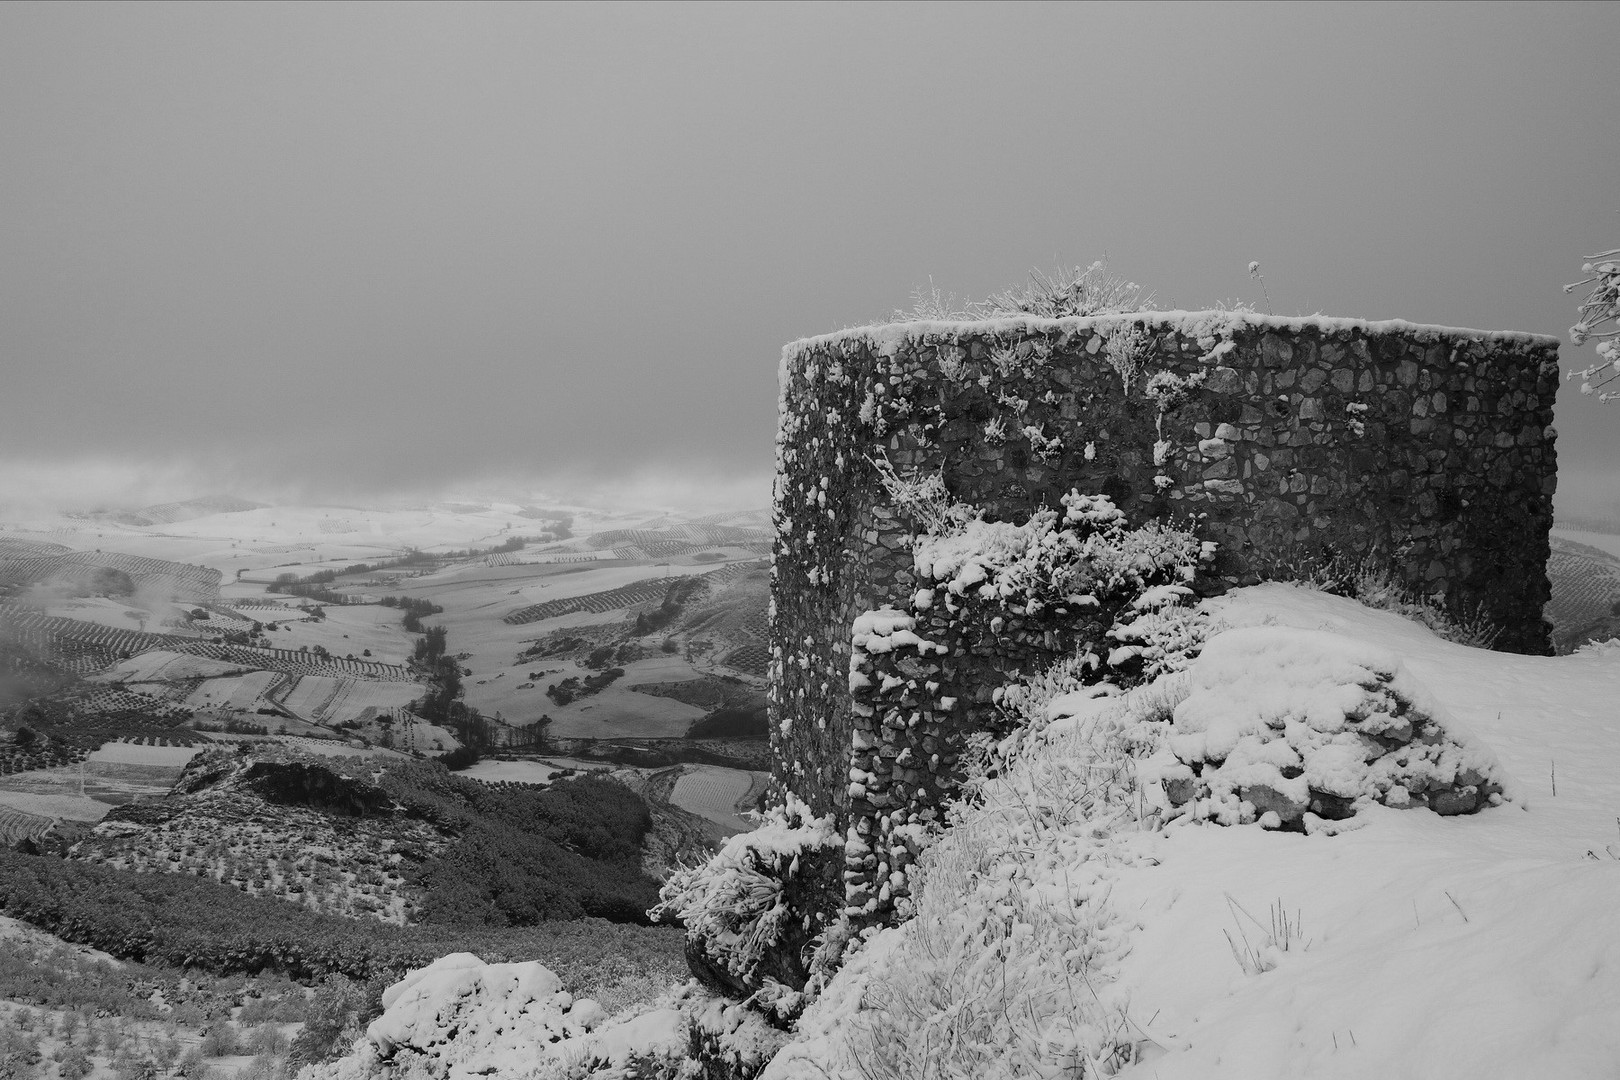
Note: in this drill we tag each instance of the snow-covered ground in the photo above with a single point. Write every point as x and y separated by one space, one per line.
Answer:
1485 945
1056 932
1426 946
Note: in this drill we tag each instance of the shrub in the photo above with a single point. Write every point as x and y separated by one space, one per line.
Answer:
1004 965
1064 292
220 1040
177 920
751 910
75 1064
1373 582
1087 565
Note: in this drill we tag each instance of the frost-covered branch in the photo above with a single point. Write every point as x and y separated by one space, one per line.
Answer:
922 499
1600 319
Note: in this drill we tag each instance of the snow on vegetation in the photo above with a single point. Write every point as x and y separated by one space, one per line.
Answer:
738 907
1082 559
1073 918
460 1017
1005 963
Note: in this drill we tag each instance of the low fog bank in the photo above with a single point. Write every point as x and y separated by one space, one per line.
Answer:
1588 499
37 488
30 489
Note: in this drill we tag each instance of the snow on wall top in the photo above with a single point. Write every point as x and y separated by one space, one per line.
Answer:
890 336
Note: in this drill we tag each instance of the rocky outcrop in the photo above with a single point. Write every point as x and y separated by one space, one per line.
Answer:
285 780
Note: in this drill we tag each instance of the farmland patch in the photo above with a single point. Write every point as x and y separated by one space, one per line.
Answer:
714 793
249 692
512 772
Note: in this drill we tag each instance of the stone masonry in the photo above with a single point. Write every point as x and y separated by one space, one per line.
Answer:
1286 441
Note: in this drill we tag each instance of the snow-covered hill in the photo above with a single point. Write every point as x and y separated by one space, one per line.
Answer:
1416 945
1073 921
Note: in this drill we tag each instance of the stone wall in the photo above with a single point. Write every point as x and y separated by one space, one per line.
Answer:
1285 440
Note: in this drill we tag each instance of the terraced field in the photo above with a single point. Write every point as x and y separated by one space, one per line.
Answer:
116 774
76 647
735 621
18 547
1585 602
293 662
85 648
16 826
163 712
166 665
322 699
250 691
183 580
752 660
710 533
646 591
714 793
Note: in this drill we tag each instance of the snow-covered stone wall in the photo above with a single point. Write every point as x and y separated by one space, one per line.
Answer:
1286 441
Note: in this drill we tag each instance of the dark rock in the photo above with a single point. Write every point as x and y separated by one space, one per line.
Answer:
1265 798
1181 789
1449 802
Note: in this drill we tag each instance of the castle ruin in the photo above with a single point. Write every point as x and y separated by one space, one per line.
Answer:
1287 442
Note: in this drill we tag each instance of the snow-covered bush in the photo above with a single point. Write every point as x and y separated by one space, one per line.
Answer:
753 911
1087 562
1295 728
1602 306
1065 291
923 500
1373 582
462 1017
998 601
1004 966
1070 291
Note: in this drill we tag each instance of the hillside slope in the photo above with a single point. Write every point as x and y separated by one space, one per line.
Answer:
1407 945
400 841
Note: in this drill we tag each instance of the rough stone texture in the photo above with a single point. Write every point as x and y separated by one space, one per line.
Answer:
1286 440
911 708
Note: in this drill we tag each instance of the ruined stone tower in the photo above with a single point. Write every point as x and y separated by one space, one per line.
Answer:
1286 441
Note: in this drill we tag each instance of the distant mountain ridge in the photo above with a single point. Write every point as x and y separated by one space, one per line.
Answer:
173 512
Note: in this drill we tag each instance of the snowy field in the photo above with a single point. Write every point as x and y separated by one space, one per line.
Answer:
1420 946
129 753
712 793
116 773
235 692
162 665
513 772
48 804
326 700
1480 945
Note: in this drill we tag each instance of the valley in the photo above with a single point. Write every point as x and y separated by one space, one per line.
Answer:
250 701
256 763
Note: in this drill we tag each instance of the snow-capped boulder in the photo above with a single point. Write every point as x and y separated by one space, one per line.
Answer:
464 1007
460 1017
1287 727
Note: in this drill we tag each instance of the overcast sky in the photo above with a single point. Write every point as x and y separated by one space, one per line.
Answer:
329 250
